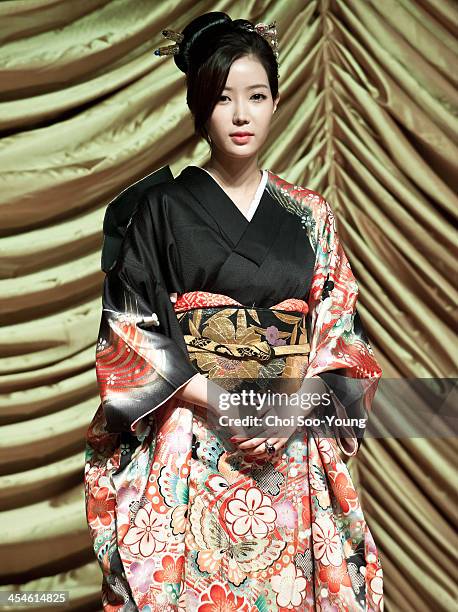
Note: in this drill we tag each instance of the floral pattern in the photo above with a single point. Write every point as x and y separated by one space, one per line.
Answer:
250 512
145 536
201 529
290 587
229 326
180 524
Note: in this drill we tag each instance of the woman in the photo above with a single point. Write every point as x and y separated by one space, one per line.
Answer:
182 518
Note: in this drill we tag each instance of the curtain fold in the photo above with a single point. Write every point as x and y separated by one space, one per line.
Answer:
367 117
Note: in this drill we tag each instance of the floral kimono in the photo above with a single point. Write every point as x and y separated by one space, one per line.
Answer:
177 521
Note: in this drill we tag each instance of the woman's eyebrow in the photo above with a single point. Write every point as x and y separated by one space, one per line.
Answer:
250 86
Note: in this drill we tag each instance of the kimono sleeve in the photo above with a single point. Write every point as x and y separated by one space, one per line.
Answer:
340 353
141 358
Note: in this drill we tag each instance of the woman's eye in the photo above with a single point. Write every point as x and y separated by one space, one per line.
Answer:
262 97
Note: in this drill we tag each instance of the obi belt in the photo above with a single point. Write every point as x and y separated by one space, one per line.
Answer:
231 342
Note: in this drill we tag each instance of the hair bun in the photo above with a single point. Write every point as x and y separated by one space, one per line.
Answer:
191 48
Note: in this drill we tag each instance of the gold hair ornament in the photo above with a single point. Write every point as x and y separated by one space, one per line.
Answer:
170 49
267 31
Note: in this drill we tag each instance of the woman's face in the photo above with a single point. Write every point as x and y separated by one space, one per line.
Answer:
245 105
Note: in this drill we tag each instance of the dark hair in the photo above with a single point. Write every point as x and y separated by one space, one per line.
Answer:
211 43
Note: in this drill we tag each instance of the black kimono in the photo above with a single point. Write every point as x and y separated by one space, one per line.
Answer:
176 520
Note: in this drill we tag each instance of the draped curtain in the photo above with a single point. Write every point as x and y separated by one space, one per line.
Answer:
366 117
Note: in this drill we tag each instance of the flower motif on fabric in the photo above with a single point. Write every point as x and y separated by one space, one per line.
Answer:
286 514
188 599
307 221
144 537
344 325
376 585
101 344
221 329
101 507
218 598
126 497
373 574
344 491
125 448
272 336
290 587
217 552
172 570
334 577
140 574
325 604
326 450
180 441
250 512
93 475
327 546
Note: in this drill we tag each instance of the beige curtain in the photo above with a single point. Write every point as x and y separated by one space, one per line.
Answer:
366 117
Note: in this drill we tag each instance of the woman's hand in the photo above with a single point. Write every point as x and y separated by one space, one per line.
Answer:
311 389
276 436
204 392
200 388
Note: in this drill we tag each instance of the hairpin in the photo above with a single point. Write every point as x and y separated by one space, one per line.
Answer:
267 31
170 49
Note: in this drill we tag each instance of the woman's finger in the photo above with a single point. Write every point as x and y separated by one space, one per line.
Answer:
173 297
252 443
261 437
261 449
278 443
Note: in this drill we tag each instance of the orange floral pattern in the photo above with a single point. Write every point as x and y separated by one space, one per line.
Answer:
226 532
179 524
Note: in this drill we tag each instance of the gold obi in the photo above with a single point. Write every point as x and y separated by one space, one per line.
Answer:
238 342
262 351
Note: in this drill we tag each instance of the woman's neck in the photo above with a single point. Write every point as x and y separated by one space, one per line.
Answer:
235 174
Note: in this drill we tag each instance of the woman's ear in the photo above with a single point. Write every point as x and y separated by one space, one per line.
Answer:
276 100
